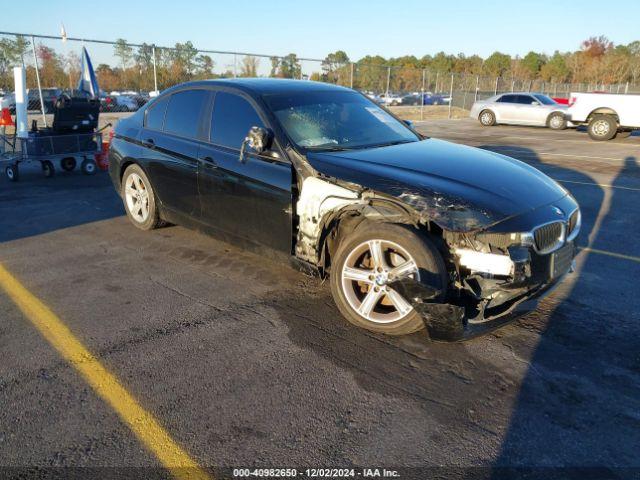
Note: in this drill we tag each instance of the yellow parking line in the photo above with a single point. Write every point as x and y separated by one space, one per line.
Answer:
611 254
142 423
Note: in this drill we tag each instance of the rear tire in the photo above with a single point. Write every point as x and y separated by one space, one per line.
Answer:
139 199
557 121
88 166
48 169
602 127
400 246
487 118
68 164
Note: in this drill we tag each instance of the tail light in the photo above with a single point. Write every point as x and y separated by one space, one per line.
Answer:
111 134
572 100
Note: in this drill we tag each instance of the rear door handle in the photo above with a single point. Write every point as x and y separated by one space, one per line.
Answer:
210 162
149 143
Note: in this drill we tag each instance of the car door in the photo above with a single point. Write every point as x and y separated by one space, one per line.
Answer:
528 110
250 199
506 109
170 149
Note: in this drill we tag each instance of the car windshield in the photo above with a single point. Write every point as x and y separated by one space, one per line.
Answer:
543 99
336 121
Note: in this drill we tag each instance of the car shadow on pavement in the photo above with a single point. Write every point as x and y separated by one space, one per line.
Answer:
36 205
576 414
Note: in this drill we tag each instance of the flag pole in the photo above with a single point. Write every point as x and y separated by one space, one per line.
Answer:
35 60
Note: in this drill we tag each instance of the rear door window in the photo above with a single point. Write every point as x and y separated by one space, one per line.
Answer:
155 114
184 113
231 120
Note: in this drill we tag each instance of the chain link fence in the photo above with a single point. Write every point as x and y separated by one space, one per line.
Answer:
130 74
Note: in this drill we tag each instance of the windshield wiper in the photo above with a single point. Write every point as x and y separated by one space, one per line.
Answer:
388 144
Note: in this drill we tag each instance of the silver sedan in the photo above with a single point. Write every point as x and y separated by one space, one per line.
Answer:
525 108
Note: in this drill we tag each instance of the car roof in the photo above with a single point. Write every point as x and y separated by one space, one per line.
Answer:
265 86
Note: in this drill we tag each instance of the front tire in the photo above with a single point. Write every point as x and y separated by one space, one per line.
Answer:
487 118
139 199
371 256
602 127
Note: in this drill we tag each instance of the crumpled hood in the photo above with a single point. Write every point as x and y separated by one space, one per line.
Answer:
458 187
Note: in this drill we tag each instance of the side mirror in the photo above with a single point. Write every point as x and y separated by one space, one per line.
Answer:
258 140
535 103
408 123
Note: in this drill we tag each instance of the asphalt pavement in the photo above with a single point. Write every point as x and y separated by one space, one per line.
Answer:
246 362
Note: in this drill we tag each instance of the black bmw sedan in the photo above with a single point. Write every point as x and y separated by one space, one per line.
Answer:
413 232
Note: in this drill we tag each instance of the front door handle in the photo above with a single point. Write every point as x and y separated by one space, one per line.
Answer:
149 143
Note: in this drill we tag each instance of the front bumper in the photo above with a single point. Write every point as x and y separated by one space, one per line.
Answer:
500 302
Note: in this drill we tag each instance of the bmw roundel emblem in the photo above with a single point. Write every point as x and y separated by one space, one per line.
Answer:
558 211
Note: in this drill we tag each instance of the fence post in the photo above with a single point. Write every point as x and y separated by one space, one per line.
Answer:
351 79
424 73
626 88
388 79
35 62
475 97
495 89
235 65
450 95
513 84
435 88
155 73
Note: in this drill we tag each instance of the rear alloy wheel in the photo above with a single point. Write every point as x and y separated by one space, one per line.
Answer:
602 127
557 121
139 199
367 261
487 118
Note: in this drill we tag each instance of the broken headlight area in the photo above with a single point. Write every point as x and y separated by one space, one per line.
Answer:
494 279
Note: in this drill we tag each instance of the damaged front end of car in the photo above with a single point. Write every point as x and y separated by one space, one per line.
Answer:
498 267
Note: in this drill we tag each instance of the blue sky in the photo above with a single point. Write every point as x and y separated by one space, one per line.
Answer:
313 29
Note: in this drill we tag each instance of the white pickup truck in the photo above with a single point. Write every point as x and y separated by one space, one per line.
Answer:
605 114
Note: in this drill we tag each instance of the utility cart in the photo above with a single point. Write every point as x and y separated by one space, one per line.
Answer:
71 140
66 150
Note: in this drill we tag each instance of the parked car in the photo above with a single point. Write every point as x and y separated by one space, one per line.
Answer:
605 114
118 103
525 108
412 231
390 99
49 97
560 100
436 98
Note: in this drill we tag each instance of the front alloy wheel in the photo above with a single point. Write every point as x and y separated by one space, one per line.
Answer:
365 264
365 275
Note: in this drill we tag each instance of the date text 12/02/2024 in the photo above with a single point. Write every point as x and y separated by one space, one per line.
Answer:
315 473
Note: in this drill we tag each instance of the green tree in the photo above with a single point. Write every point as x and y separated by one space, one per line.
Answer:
532 63
556 69
123 51
335 68
497 64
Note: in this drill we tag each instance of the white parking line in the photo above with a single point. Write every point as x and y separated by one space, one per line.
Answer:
605 185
